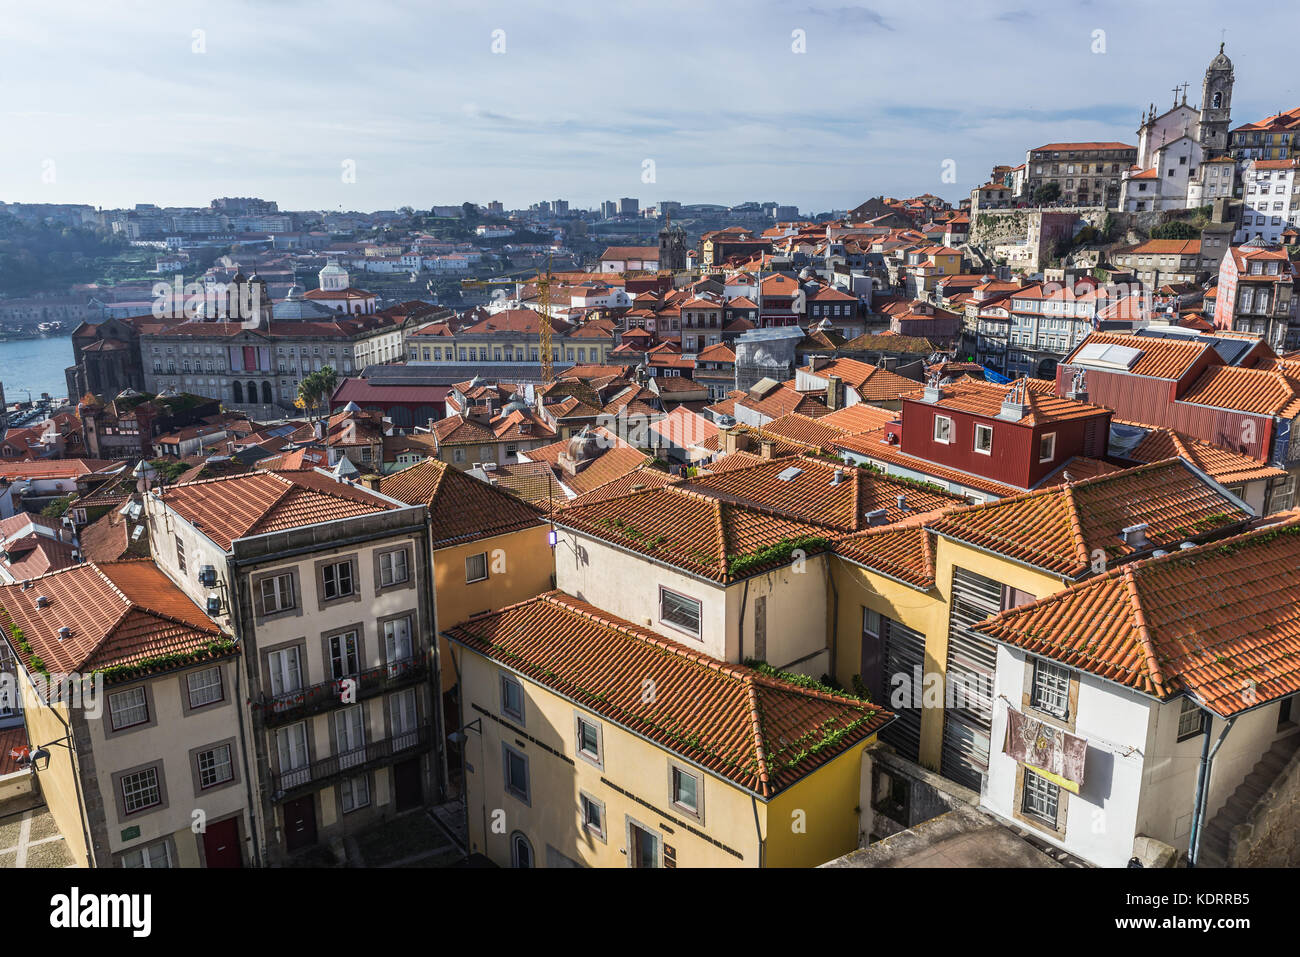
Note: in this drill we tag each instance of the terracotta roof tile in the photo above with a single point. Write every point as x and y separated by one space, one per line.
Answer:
461 508
1247 390
1223 465
762 733
1220 622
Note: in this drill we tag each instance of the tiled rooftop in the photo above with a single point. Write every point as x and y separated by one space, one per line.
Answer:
461 508
1062 528
236 506
120 613
1220 622
1223 465
985 398
762 733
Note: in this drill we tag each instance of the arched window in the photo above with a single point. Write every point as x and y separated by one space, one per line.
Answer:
266 393
521 851
252 392
239 391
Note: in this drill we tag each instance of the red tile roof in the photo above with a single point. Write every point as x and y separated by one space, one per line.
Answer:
461 508
872 383
1223 465
1247 390
119 613
985 398
237 506
1065 529
1220 622
761 733
1160 359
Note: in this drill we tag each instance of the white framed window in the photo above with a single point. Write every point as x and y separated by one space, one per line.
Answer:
151 855
350 736
398 647
589 741
871 623
345 657
140 790
215 766
685 789
476 568
393 568
291 746
943 429
285 666
515 772
128 708
512 698
1042 798
403 718
204 687
984 439
354 793
593 814
276 594
1051 688
1047 447
1191 720
679 611
337 580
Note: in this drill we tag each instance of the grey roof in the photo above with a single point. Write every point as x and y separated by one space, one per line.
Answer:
301 309
449 373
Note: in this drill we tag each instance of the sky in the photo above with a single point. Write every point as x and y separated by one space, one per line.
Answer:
377 104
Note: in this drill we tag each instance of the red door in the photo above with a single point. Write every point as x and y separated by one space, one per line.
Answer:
221 844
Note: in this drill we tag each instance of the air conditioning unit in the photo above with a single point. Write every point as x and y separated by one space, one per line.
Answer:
207 576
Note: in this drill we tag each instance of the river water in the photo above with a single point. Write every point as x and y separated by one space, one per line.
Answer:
35 364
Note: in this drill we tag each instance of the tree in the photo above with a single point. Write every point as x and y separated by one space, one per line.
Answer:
1176 229
57 507
315 389
1047 193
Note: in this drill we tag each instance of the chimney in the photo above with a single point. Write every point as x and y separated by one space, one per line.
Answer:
1015 403
877 516
818 362
834 392
767 448
838 477
902 503
1078 387
1135 536
370 481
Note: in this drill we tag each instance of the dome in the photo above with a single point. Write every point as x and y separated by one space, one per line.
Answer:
1221 62
583 446
332 268
295 292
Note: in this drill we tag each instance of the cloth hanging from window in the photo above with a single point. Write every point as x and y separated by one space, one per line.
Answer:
1051 751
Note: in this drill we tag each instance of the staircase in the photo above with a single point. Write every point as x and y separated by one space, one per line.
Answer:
1214 840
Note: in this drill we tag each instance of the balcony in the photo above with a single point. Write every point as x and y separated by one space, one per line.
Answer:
336 767
295 705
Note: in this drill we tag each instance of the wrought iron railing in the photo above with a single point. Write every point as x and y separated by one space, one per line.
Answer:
348 763
292 706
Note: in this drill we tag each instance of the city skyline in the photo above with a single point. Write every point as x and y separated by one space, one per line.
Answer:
458 122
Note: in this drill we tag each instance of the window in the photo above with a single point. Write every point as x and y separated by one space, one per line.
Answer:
1047 447
589 740
204 687
344 655
140 790
291 746
476 569
151 855
515 771
276 594
128 708
402 714
1191 720
398 648
1042 797
215 766
593 814
393 568
1051 688
285 667
512 698
521 852
679 611
350 736
685 791
180 555
943 429
984 439
336 580
354 793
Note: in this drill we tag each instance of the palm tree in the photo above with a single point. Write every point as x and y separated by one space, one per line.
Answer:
316 388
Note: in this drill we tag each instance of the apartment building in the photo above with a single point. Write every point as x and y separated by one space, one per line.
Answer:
1257 293
594 742
1270 199
1088 174
326 587
149 767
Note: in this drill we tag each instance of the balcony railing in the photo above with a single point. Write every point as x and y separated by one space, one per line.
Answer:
313 699
328 770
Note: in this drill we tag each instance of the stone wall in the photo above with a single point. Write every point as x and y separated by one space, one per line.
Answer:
1270 837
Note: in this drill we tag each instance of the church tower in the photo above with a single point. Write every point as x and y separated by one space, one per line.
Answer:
1216 106
672 246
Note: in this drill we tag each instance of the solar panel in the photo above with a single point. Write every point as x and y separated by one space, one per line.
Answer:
790 474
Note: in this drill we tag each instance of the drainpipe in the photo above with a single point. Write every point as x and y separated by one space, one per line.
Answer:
744 596
835 618
762 848
1202 790
239 662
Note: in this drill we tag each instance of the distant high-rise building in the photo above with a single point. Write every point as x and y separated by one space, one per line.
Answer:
669 207
560 207
628 206
608 209
495 207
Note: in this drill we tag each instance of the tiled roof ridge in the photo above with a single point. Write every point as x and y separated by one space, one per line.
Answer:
1076 530
720 528
1145 641
760 739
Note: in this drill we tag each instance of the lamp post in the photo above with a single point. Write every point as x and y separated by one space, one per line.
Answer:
461 738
